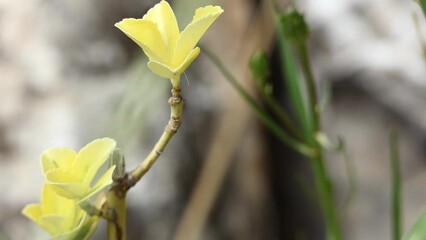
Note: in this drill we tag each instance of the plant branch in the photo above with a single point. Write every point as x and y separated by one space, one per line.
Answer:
176 103
275 128
282 116
116 204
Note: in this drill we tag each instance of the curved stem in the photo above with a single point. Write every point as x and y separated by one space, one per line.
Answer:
176 107
116 203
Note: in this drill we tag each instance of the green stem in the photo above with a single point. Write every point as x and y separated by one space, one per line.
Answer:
350 172
285 120
310 84
116 227
176 107
423 6
396 184
114 210
273 126
291 80
117 195
322 180
325 191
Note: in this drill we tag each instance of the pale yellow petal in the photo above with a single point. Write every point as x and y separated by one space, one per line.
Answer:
189 59
50 200
56 224
54 158
104 181
63 176
52 203
54 213
70 190
32 211
161 69
83 231
146 35
92 156
162 14
166 72
201 21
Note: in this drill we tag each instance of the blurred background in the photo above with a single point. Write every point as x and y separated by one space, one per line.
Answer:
69 76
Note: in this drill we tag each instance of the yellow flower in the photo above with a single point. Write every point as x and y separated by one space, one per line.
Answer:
71 174
169 51
61 217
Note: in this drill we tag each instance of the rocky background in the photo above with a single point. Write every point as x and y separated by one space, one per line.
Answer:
68 76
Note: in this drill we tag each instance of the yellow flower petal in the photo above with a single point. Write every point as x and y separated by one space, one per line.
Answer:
160 69
189 37
32 211
102 183
46 226
66 184
63 176
55 214
54 158
52 203
162 14
56 224
146 35
70 190
173 74
83 231
189 59
92 156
